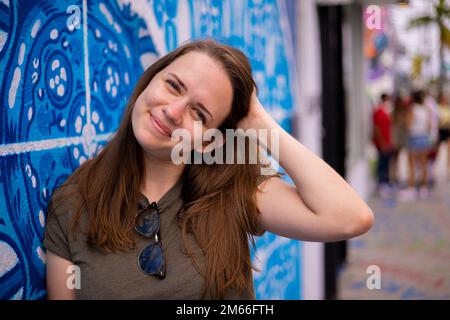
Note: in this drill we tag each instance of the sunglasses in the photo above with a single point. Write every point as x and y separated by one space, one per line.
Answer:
151 258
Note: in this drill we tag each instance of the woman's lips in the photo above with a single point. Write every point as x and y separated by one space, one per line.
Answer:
159 126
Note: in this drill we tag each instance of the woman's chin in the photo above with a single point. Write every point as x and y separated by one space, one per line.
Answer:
152 144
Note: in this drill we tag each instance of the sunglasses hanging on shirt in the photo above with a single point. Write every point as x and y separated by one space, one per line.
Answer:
151 258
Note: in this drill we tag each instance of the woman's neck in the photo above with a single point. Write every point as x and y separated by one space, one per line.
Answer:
160 176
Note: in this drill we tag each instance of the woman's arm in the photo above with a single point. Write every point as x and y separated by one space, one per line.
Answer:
323 207
57 277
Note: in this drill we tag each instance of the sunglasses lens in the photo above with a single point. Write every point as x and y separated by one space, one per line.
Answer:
151 260
147 223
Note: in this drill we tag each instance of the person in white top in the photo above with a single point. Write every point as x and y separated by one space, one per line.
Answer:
419 143
431 103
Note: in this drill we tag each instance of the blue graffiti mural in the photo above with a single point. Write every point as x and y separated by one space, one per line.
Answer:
67 69
244 24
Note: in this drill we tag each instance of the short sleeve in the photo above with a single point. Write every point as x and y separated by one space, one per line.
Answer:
56 232
269 172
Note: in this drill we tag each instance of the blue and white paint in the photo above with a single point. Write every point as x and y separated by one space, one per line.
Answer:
67 69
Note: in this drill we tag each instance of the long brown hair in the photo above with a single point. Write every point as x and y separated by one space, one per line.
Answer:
219 202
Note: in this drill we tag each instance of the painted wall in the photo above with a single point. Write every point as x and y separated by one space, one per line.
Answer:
67 69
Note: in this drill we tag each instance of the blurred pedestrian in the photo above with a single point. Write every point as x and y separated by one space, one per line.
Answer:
400 134
431 103
419 143
382 140
444 127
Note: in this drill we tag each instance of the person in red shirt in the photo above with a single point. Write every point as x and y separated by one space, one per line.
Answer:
382 140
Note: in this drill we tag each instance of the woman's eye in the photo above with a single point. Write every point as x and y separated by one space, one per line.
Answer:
199 115
173 85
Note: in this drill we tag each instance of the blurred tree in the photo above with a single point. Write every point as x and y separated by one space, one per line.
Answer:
417 64
440 17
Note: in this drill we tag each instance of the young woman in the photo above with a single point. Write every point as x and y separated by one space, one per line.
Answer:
419 144
399 135
136 225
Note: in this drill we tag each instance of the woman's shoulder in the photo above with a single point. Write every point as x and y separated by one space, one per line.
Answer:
61 209
65 200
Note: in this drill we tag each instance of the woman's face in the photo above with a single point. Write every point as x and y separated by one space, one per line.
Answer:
192 88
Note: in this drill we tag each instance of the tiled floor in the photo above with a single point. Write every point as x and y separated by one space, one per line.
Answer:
410 243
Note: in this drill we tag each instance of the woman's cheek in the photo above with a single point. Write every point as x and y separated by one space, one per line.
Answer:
139 107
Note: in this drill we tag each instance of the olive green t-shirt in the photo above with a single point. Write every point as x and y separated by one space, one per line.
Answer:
117 275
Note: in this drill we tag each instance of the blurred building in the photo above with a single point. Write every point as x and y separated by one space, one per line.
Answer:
333 119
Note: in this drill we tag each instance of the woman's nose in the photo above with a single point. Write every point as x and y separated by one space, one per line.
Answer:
174 111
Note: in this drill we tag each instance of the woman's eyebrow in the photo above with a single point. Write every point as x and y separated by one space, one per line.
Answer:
186 89
178 79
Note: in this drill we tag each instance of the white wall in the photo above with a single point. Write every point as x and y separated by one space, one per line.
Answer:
310 128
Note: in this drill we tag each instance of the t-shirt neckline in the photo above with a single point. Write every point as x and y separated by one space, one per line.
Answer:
173 193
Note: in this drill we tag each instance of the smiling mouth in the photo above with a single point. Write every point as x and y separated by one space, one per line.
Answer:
158 126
